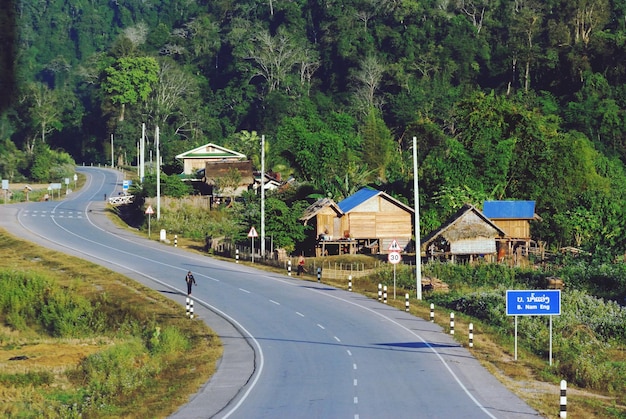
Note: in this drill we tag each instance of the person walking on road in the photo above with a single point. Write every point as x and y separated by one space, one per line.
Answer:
190 281
301 268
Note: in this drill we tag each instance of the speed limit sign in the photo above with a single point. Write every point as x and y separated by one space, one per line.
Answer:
394 257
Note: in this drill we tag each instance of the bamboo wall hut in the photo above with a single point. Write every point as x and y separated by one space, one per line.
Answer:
466 235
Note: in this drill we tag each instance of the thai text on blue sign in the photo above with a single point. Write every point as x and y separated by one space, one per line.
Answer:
533 302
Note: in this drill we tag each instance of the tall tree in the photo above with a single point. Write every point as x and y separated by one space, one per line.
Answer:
274 57
43 110
377 143
527 23
367 81
172 89
130 80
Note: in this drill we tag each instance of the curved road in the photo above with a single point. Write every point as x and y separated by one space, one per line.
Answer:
292 349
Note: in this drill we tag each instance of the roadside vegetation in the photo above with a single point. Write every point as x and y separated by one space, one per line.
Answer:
78 340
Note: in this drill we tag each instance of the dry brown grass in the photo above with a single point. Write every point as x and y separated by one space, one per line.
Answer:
58 356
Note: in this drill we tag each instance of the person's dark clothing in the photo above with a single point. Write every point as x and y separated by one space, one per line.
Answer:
190 282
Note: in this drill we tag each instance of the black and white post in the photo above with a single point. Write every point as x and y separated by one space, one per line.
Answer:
452 323
406 302
563 400
380 292
319 274
471 335
385 294
289 267
432 313
350 283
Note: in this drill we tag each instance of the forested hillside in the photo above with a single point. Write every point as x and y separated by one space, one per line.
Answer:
519 99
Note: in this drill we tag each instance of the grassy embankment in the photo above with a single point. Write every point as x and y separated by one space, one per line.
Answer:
78 340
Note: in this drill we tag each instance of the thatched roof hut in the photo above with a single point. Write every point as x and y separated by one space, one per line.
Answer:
467 232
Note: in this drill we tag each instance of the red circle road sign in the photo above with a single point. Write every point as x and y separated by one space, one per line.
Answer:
394 257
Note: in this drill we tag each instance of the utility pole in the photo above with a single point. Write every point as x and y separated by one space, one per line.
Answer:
418 245
138 152
142 152
158 173
112 153
263 196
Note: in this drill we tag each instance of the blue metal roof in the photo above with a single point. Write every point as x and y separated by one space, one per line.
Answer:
357 199
509 209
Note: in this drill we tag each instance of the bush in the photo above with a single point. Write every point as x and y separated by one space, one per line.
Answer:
29 300
488 306
118 370
168 342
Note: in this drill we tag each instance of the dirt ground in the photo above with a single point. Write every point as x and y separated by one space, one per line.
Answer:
20 186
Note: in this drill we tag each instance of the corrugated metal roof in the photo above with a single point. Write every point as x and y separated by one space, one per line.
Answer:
211 151
509 209
357 199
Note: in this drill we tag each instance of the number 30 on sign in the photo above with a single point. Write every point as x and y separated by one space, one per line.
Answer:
394 257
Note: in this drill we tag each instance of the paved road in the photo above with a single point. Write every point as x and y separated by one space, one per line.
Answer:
292 349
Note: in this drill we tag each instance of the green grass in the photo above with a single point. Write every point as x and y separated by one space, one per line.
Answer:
88 342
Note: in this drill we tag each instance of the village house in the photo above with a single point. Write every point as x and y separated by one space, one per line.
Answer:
467 235
218 172
194 161
366 222
514 218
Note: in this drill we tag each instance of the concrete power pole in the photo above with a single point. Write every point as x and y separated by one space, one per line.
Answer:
158 173
418 244
263 196
142 153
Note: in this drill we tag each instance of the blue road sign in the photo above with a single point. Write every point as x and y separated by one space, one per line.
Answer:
533 302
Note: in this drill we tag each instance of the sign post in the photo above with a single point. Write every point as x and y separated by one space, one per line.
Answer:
533 303
394 257
5 188
149 211
252 234
55 187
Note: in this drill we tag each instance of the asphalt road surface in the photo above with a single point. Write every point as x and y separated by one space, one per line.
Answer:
292 348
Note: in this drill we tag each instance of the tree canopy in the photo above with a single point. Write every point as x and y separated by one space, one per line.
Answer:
508 100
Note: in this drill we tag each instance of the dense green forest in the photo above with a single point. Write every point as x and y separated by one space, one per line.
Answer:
520 99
